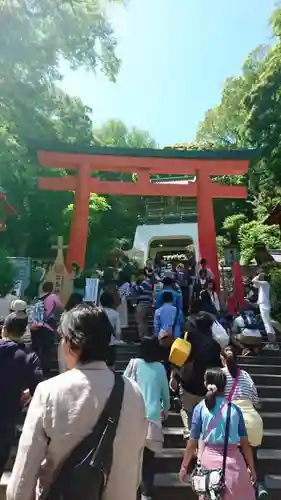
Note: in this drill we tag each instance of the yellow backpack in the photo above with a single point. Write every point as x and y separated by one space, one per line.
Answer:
180 351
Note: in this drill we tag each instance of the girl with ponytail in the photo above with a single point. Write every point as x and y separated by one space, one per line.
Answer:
245 396
209 424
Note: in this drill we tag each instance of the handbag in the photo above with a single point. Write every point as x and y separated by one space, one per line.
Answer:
210 483
180 351
85 472
220 334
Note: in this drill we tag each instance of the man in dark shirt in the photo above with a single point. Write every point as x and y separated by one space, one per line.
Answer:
143 293
20 372
205 353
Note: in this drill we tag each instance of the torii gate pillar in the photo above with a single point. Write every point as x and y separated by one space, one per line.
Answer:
206 222
79 224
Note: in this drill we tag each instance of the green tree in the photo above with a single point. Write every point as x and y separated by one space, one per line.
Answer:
231 226
248 116
34 38
253 233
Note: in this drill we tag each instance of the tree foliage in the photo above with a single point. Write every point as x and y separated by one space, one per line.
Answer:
248 116
34 38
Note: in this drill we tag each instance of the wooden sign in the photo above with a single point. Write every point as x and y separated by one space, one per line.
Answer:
58 274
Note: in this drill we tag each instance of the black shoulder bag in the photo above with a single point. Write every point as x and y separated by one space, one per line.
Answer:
210 483
84 473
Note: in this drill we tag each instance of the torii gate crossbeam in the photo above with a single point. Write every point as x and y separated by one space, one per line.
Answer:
144 163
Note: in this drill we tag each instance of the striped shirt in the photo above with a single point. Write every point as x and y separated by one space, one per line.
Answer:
125 290
245 388
143 292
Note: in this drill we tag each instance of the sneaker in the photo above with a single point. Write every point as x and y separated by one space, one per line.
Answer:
261 492
186 434
268 347
145 498
275 347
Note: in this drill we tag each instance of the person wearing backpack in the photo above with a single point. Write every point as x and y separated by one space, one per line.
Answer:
20 372
205 352
83 426
167 319
44 322
246 332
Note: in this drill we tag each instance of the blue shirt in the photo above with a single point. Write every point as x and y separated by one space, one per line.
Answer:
202 418
153 383
177 298
164 318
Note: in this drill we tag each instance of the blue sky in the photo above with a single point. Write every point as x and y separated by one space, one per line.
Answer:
175 55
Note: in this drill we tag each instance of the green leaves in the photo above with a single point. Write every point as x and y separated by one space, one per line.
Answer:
254 232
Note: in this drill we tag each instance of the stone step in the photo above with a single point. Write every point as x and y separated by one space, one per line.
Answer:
270 420
261 368
270 405
170 459
173 438
263 359
266 379
270 460
269 391
168 486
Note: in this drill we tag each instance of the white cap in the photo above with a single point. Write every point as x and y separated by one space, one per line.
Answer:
18 305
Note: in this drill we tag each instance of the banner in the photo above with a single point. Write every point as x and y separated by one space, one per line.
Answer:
91 290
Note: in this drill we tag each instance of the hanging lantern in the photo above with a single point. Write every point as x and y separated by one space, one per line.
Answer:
6 209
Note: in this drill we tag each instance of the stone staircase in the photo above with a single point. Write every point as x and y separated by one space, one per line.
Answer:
266 372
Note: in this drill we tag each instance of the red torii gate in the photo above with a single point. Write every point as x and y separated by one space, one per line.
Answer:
144 163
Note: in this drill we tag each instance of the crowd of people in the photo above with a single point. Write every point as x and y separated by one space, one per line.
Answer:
218 401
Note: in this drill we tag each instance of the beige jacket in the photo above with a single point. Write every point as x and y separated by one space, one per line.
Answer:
64 409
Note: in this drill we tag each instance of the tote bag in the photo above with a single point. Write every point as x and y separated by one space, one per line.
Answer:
253 421
220 334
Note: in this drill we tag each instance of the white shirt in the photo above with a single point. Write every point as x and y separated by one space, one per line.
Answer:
65 409
114 319
264 292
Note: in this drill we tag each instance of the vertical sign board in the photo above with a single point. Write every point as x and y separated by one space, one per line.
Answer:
23 270
91 290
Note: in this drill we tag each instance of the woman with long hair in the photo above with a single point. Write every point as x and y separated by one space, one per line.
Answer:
65 409
246 397
150 375
209 422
